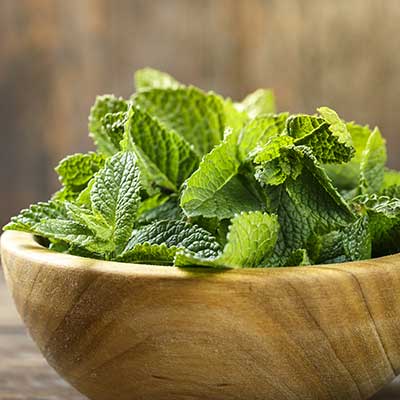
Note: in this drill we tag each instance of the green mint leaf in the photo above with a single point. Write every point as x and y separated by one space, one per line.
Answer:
83 198
384 220
390 178
27 220
107 104
351 243
179 234
114 128
70 232
251 239
76 171
327 135
165 157
391 191
159 207
85 217
276 161
347 176
372 165
150 78
196 116
357 240
146 253
262 101
299 257
234 119
115 196
258 132
365 172
217 189
307 205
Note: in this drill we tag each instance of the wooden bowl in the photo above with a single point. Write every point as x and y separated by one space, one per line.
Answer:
125 332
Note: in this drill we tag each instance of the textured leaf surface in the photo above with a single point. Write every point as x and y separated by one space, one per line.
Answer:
70 232
251 239
299 257
327 135
262 101
114 127
115 196
306 206
234 119
160 207
259 131
36 213
196 116
370 152
164 156
179 234
150 78
372 166
146 253
95 223
76 171
104 105
216 189
390 178
351 243
276 161
384 218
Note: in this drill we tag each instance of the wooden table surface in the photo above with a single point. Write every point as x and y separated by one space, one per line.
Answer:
24 374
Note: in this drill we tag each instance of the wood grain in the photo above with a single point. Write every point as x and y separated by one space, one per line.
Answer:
118 331
24 374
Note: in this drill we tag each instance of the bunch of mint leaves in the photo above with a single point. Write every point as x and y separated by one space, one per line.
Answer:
187 178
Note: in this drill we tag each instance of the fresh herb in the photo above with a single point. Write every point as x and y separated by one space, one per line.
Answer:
185 177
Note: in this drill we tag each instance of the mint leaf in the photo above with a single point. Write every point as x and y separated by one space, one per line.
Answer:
85 217
372 163
277 161
159 207
262 101
390 178
70 232
114 128
98 128
165 157
351 243
27 220
196 116
178 234
384 221
234 119
115 196
307 205
299 257
146 253
250 240
217 189
365 172
391 191
259 131
150 78
76 171
327 135
186 177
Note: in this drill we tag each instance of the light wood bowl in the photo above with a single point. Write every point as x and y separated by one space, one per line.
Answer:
136 332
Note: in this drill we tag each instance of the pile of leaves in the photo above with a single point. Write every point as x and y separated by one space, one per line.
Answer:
184 177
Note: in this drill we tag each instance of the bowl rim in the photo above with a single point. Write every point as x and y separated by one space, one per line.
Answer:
23 246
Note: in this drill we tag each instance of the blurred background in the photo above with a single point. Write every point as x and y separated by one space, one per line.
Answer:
56 56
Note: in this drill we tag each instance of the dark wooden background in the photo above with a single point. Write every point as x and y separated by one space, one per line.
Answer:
56 55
